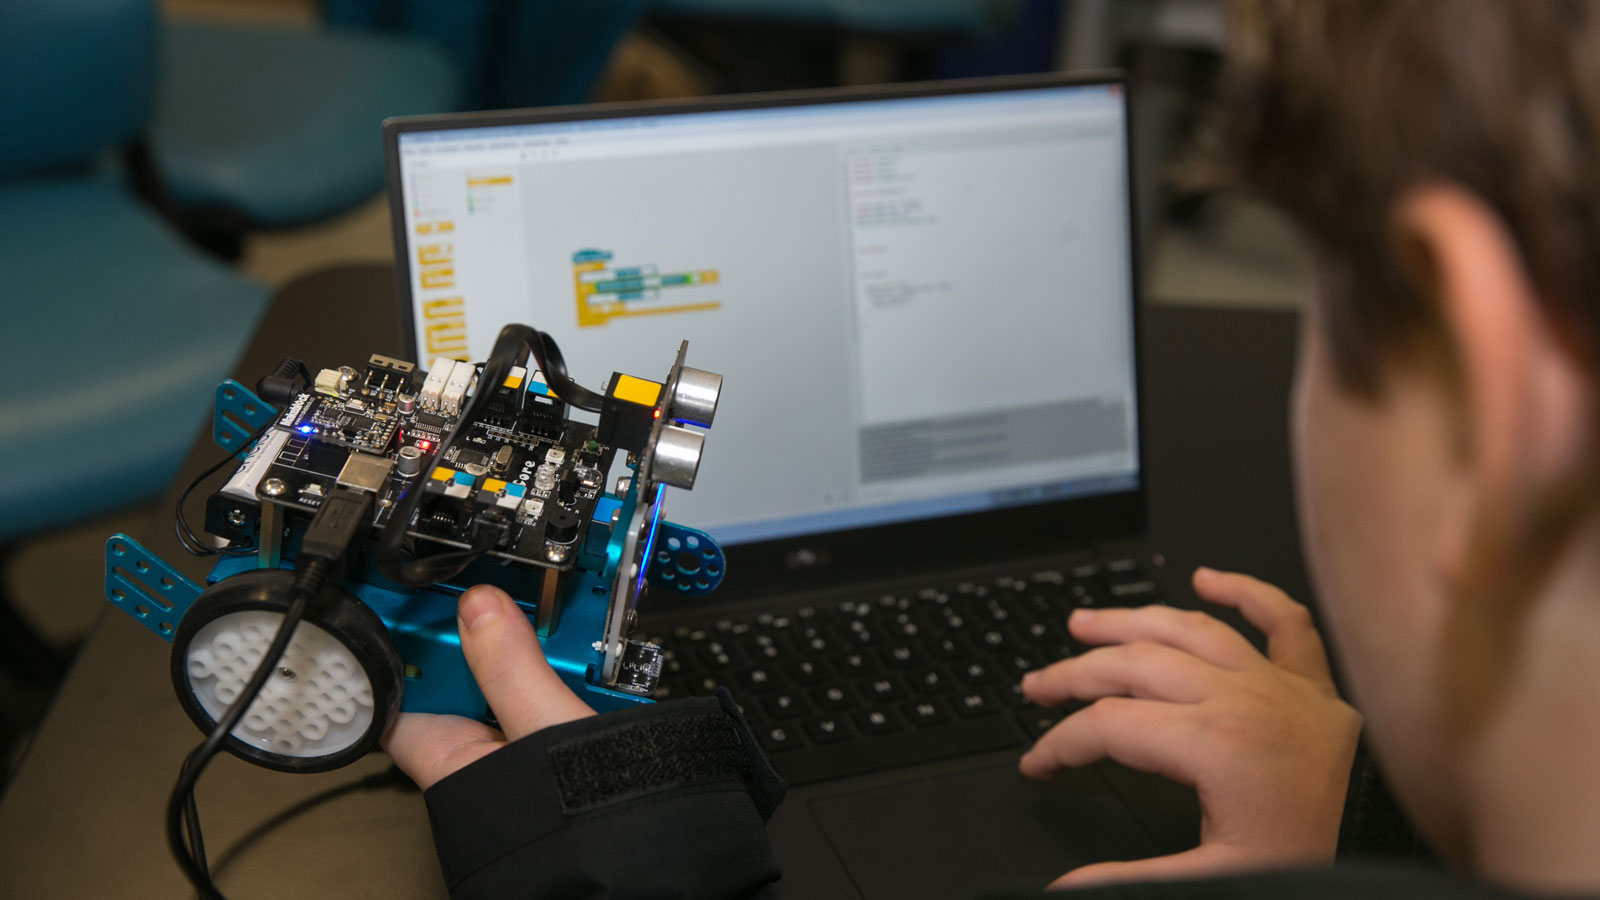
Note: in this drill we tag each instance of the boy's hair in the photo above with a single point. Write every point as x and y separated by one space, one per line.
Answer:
1331 109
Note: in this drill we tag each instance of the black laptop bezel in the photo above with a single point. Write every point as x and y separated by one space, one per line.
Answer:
828 559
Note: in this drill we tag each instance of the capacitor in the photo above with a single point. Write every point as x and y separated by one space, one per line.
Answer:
408 462
406 403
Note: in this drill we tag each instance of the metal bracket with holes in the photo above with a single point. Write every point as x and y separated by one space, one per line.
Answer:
239 413
686 560
137 582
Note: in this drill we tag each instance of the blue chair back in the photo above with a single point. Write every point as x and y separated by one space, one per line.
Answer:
79 76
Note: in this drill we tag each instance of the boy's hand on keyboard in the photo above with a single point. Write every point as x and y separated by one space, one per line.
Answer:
509 666
1264 740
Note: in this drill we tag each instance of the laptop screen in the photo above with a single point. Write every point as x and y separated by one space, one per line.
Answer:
921 306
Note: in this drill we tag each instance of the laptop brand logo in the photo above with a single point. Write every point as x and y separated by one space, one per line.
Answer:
807 558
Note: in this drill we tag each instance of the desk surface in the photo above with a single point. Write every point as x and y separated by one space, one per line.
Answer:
83 817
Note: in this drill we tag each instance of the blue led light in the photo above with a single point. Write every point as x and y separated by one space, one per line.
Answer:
306 429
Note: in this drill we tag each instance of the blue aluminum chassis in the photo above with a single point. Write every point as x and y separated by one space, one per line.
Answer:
422 622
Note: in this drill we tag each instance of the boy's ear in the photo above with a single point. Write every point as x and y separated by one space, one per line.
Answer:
1525 413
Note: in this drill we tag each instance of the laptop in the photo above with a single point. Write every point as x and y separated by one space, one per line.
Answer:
922 301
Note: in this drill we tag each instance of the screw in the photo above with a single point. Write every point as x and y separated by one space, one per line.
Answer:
286 673
236 517
633 620
273 487
555 553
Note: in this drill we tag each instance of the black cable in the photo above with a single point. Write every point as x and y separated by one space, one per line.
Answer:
336 525
283 373
511 348
187 539
309 580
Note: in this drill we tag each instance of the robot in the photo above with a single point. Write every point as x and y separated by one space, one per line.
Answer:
368 498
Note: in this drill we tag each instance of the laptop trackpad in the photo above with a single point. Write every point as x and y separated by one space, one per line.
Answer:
975 832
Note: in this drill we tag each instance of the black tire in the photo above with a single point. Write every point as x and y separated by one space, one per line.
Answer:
344 619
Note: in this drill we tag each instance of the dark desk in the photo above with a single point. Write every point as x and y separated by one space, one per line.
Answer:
83 818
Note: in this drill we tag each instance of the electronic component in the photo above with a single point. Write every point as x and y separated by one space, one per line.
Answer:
501 460
695 396
243 483
455 387
385 374
433 385
365 472
408 462
629 412
544 478
561 525
327 382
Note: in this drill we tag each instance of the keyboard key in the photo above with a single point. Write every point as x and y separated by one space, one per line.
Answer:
1036 722
928 711
948 648
976 672
712 659
879 721
976 703
756 679
1123 565
808 671
829 729
1140 591
902 656
855 662
787 704
1020 662
994 640
1014 697
932 680
883 688
834 696
780 737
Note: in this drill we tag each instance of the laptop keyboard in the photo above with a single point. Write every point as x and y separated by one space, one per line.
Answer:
931 671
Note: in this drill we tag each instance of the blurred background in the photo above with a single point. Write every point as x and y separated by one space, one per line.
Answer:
164 166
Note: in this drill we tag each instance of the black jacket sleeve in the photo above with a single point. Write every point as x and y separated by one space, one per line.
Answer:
662 800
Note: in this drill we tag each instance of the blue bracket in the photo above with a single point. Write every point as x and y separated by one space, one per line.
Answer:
686 560
137 582
239 414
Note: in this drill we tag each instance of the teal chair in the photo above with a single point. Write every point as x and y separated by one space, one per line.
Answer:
116 330
270 127
510 53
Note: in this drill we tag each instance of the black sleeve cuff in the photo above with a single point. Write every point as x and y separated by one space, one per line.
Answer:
662 800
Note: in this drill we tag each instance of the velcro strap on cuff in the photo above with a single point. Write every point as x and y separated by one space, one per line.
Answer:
643 756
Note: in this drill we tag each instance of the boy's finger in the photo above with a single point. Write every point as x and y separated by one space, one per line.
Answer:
1292 639
509 665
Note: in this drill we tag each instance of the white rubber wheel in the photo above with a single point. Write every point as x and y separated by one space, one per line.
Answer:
318 703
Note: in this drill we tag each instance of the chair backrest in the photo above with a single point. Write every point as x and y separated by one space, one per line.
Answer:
79 76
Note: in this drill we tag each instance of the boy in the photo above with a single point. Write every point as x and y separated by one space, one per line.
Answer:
1439 159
